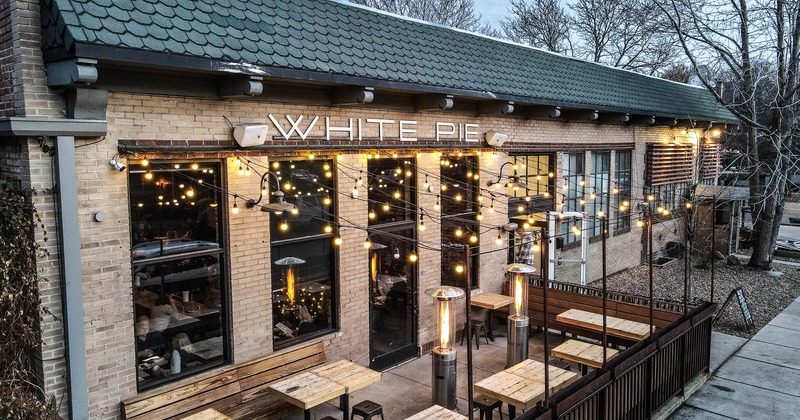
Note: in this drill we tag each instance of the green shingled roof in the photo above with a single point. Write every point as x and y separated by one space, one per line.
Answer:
334 38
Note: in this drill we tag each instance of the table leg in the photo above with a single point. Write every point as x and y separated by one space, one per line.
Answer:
307 414
512 411
490 323
344 404
584 369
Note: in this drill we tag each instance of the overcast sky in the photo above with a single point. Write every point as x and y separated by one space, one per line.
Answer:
492 11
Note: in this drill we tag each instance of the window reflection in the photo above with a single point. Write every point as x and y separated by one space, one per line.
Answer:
178 276
302 255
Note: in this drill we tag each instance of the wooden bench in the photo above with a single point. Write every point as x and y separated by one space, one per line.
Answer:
562 300
240 391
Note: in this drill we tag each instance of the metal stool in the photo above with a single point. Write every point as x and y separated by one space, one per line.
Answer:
487 406
477 326
366 410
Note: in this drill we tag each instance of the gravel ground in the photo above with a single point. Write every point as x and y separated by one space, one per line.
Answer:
767 293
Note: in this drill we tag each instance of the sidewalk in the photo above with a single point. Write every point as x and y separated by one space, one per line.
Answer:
759 381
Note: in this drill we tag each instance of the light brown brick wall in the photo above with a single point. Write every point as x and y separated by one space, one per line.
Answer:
106 246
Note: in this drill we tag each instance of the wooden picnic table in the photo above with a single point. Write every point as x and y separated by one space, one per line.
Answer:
522 385
437 412
208 414
351 375
583 353
490 301
614 326
309 389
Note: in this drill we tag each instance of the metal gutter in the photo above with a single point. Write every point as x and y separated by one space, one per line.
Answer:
28 127
69 248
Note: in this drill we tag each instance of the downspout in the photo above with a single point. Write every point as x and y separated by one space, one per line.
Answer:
69 247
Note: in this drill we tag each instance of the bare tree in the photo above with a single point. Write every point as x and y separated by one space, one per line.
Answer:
677 72
541 23
456 13
732 38
629 34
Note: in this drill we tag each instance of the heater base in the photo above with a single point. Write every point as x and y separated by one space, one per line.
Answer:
443 375
517 350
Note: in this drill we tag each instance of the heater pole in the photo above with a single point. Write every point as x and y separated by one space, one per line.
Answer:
713 241
468 289
605 303
650 246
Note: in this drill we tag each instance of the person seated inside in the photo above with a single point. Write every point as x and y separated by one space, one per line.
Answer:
162 314
181 356
149 343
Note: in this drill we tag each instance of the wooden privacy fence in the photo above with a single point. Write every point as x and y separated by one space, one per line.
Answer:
641 379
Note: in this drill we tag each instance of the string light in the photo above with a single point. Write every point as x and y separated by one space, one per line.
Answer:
340 157
284 226
354 193
295 211
640 223
421 225
326 201
499 239
235 208
144 162
479 216
148 175
328 228
536 246
371 214
459 268
195 166
367 243
473 238
438 205
458 197
412 257
459 232
386 206
338 241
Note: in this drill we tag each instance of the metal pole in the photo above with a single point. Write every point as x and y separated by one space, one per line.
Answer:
650 246
605 337
713 242
468 282
545 286
685 259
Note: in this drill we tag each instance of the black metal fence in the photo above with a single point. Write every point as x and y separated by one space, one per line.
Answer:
641 379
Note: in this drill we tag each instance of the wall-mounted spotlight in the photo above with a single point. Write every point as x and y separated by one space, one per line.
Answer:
116 164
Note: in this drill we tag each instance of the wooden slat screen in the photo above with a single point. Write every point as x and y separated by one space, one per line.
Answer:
710 161
668 164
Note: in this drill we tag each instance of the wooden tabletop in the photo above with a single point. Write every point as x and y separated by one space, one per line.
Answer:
208 414
351 375
582 352
490 300
437 412
614 326
522 385
307 389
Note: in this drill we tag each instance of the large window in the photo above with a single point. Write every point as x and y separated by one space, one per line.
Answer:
622 175
302 251
573 193
460 211
179 277
598 199
536 172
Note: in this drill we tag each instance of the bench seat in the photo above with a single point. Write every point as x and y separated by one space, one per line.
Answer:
240 391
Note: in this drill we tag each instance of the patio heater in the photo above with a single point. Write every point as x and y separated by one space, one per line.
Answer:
291 278
443 374
517 350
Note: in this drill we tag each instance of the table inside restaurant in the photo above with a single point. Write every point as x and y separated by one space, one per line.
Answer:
615 326
490 301
437 412
522 385
311 388
206 349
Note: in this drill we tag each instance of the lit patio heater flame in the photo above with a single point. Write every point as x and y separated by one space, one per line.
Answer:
373 267
445 333
518 295
444 327
290 282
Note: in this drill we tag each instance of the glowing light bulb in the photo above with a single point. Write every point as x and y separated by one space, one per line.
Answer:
371 214
337 241
144 162
479 216
284 226
295 211
458 197
473 239
328 229
195 166
459 268
640 223
326 201
459 232
412 257
386 206
367 243
148 175
499 240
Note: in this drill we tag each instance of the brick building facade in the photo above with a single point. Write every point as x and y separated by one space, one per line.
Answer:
168 111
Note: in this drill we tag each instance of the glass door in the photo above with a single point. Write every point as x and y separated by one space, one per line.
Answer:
392 274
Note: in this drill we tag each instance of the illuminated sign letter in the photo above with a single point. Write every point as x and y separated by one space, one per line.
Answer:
404 130
329 128
440 129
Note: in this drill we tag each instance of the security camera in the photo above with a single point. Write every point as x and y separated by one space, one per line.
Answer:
116 164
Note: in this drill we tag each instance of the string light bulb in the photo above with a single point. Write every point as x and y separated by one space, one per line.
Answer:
473 238
338 241
295 211
386 206
367 243
235 208
144 162
328 228
371 214
354 193
499 239
459 268
640 223
412 257
459 232
536 246
326 201
284 226
438 205
148 175
479 216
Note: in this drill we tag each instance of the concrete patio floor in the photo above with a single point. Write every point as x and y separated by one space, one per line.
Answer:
405 390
